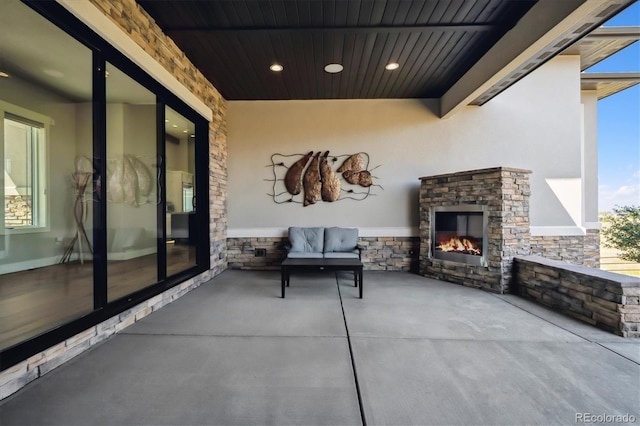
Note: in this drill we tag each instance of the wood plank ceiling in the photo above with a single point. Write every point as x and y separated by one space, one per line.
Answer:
233 43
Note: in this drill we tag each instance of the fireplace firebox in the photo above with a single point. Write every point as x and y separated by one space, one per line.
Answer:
460 234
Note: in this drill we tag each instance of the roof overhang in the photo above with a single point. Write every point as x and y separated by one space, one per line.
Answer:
602 43
549 28
597 46
607 84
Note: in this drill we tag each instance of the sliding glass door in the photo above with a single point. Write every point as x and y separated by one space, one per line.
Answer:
181 224
131 184
100 180
46 128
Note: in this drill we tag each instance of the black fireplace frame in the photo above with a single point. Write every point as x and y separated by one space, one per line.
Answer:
468 259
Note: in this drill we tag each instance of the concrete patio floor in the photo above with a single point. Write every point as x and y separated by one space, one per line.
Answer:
414 351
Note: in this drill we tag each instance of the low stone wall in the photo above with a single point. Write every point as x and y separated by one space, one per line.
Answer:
379 254
604 299
16 377
242 253
578 249
390 253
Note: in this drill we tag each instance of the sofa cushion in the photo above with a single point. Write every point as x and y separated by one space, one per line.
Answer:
306 240
304 255
340 239
342 255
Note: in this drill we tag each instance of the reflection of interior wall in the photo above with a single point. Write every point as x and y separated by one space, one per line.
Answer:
177 155
176 180
131 131
84 148
191 153
180 166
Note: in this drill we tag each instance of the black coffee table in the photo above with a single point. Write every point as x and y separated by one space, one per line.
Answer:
302 264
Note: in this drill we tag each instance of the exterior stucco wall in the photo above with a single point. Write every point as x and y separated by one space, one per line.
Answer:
535 124
590 156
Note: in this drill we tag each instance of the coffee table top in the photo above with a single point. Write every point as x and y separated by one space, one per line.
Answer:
321 262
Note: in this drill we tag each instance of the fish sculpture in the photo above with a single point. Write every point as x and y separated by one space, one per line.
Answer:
330 183
353 163
293 177
311 181
84 164
115 172
362 178
143 174
130 182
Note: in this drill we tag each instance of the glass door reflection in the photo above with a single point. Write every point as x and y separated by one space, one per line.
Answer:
180 189
132 191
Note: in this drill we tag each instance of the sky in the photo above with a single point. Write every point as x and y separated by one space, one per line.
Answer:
619 126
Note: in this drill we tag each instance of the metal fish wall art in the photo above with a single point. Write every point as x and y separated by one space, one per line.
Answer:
353 163
293 178
311 181
314 177
330 182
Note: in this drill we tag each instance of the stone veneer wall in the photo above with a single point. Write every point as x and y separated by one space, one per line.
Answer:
140 27
579 250
505 192
379 254
604 299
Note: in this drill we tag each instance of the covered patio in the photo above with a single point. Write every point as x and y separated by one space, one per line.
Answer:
484 85
413 351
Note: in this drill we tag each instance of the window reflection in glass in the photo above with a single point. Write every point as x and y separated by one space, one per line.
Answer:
24 171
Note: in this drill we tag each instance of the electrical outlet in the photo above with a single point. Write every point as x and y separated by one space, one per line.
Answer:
260 252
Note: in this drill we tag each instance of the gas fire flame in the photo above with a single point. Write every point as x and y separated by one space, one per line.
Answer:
460 245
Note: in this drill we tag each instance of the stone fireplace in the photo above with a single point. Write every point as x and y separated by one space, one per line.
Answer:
472 224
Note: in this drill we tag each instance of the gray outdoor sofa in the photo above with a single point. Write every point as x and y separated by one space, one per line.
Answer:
323 243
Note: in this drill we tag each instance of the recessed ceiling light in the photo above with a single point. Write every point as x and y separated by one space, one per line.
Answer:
185 131
333 68
392 66
174 126
276 67
4 74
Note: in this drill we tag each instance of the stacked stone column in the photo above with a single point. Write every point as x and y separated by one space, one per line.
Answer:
505 192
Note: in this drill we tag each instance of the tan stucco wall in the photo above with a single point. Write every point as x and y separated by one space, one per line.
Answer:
534 125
